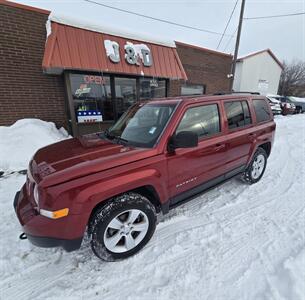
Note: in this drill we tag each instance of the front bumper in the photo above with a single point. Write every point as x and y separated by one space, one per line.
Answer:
40 230
288 111
46 242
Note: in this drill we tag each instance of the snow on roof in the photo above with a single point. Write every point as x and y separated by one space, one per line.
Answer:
103 28
259 52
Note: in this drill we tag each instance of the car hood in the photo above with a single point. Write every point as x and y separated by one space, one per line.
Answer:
76 157
297 100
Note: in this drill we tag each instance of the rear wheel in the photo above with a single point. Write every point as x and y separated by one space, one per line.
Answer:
122 227
256 168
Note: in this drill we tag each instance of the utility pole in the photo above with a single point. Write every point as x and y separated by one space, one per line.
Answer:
233 67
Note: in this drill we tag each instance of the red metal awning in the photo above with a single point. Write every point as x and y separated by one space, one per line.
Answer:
73 48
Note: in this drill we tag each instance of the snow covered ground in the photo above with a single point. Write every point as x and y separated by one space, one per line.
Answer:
234 242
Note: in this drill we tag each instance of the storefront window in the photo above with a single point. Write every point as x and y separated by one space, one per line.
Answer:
92 98
152 88
192 89
125 93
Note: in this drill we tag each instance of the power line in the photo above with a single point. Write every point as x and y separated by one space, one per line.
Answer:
227 24
230 39
155 19
275 16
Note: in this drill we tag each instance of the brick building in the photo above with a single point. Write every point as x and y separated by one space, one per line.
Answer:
203 67
25 91
79 71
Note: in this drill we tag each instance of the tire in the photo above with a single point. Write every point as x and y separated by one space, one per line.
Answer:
113 228
298 110
256 170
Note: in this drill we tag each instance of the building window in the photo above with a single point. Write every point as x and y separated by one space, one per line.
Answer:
125 93
238 114
152 88
192 89
92 98
203 120
262 110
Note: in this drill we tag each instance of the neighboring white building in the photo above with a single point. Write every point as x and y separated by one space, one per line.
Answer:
258 72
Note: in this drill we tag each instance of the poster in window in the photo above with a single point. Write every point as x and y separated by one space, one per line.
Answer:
89 116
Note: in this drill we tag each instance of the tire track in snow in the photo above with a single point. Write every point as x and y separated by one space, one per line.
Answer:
30 284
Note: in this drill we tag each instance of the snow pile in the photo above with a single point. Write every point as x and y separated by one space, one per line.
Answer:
20 141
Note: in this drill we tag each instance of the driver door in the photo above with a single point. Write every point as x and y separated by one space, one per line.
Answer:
191 169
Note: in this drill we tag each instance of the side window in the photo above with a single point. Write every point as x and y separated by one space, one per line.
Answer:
204 120
261 110
238 114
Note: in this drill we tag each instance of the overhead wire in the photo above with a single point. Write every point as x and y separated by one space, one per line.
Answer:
154 18
228 22
274 16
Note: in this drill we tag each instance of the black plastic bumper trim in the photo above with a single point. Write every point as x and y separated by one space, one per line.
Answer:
47 242
16 200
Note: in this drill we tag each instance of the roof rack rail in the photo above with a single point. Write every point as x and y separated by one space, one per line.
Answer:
243 92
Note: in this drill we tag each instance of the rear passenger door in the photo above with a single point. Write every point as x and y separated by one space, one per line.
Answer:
240 134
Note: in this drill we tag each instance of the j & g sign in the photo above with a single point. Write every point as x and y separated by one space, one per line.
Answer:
135 54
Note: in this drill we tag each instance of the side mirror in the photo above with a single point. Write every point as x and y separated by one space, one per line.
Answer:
184 139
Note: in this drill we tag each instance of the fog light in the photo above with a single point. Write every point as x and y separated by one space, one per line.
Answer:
55 214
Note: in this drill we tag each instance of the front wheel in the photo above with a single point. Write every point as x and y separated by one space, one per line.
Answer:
256 168
122 227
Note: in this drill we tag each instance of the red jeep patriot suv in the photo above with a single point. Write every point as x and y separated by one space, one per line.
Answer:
158 154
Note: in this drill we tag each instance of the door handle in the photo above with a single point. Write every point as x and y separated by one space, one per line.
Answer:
252 136
218 147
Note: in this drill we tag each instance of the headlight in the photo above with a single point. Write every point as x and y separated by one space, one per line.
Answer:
36 194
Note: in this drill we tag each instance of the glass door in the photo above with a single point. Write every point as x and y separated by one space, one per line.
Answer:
125 93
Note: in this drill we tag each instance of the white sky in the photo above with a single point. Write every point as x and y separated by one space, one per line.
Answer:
284 36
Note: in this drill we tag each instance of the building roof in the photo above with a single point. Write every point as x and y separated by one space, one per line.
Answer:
203 49
25 7
73 48
260 52
105 28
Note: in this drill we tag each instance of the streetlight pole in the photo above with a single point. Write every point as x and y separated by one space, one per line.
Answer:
233 67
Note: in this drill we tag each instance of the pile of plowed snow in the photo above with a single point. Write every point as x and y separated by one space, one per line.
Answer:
20 141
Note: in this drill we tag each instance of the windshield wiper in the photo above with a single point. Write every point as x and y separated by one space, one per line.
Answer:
110 136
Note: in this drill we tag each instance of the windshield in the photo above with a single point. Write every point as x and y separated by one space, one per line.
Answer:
142 124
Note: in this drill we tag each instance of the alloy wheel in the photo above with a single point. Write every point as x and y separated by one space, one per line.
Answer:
258 166
126 230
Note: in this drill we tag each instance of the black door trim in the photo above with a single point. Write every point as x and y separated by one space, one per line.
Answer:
194 192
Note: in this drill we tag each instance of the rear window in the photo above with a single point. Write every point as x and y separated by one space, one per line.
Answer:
238 114
262 111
